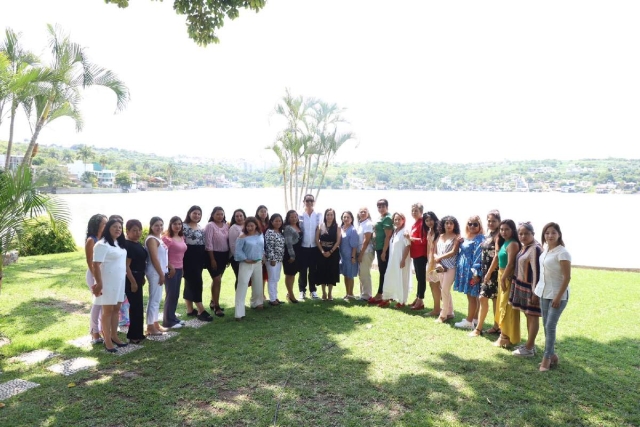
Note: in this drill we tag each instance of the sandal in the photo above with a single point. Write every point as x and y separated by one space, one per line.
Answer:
476 333
217 310
493 330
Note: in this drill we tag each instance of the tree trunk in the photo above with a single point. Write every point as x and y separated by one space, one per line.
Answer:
26 160
14 107
324 172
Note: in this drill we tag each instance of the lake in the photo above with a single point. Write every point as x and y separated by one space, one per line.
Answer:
577 214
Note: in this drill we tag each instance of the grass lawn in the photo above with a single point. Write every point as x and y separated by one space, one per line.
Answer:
320 363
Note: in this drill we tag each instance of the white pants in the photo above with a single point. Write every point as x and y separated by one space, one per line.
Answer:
273 273
248 272
365 275
155 295
446 283
95 324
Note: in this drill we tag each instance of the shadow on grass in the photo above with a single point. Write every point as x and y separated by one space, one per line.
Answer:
37 314
302 360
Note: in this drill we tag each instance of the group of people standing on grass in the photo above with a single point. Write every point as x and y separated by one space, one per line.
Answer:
505 264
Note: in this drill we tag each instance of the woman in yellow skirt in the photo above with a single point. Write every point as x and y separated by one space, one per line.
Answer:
506 317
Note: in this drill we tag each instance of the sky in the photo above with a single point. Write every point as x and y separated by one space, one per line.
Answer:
437 81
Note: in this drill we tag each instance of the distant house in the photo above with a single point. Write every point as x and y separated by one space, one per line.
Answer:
106 177
14 161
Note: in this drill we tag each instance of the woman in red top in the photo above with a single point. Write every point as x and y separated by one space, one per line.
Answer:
418 252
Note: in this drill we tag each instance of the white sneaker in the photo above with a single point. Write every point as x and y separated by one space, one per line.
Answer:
302 296
464 324
314 295
524 352
177 326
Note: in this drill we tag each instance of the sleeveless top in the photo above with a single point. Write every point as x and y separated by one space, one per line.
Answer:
503 257
163 256
443 248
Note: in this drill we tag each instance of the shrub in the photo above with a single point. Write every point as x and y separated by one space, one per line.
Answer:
39 237
143 235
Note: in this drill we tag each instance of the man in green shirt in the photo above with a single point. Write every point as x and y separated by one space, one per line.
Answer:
382 230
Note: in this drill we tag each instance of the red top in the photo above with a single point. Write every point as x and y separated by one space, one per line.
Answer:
418 247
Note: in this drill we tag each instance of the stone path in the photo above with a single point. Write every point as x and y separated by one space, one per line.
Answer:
34 357
195 323
69 367
165 336
13 387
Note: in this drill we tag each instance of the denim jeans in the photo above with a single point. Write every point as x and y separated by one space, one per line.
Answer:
550 317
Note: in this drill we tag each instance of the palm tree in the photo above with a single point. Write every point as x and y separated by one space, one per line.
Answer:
20 200
103 160
70 72
171 170
21 80
85 153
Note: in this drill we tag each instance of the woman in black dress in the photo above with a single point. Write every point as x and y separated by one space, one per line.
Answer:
136 265
293 242
328 242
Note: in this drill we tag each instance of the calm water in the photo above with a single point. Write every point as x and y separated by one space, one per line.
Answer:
581 216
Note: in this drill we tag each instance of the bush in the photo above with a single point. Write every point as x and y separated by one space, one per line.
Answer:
143 235
38 237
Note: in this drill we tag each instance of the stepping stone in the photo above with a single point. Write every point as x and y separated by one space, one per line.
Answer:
123 329
4 341
34 357
195 323
128 349
69 367
165 336
13 387
82 342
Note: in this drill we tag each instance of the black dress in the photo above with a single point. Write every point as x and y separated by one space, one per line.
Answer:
138 256
328 272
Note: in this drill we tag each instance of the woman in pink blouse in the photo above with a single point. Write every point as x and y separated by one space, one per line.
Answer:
173 238
216 244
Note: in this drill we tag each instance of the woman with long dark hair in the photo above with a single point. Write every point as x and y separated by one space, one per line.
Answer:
274 248
328 242
552 289
173 238
95 227
193 264
431 229
349 244
262 215
110 270
250 254
136 266
293 242
157 268
446 258
216 245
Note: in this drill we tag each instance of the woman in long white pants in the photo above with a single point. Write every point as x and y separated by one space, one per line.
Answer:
250 254
157 267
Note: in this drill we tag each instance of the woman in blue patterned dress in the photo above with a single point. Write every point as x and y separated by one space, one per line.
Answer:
349 244
469 270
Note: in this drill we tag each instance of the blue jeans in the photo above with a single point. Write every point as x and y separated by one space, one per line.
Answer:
172 289
550 317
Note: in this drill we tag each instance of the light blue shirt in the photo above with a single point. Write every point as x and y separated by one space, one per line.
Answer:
250 248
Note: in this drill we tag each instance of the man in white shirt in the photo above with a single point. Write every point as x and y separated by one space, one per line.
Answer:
307 261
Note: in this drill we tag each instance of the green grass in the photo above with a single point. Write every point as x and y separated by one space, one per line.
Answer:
325 364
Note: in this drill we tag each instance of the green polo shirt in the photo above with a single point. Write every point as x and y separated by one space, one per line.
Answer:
384 223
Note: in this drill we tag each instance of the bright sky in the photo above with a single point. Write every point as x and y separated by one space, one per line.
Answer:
453 81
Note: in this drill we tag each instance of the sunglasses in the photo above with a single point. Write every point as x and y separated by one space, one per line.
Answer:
473 224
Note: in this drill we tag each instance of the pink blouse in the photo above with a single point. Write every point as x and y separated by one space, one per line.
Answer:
216 238
176 251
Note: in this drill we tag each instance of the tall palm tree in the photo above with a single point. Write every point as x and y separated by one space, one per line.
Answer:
70 71
22 80
20 200
85 153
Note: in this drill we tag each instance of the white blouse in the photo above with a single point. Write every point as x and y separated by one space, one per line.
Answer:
551 276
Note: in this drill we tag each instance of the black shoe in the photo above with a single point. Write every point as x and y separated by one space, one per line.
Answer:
218 311
205 317
110 350
121 344
212 306
193 313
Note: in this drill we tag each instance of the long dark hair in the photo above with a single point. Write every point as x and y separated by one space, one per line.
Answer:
266 221
213 212
286 219
514 232
106 235
233 217
94 225
557 227
254 221
436 226
324 228
495 213
274 217
456 226
169 231
187 219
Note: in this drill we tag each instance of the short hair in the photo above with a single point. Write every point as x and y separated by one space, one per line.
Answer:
419 206
366 209
449 218
187 219
254 221
401 215
133 223
233 217
383 202
94 225
514 232
273 218
308 195
213 212
347 213
287 218
475 218
107 236
557 228
172 221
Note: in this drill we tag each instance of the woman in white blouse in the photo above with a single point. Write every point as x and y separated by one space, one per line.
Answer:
552 288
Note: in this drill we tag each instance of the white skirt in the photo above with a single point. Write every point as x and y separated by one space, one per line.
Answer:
112 293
